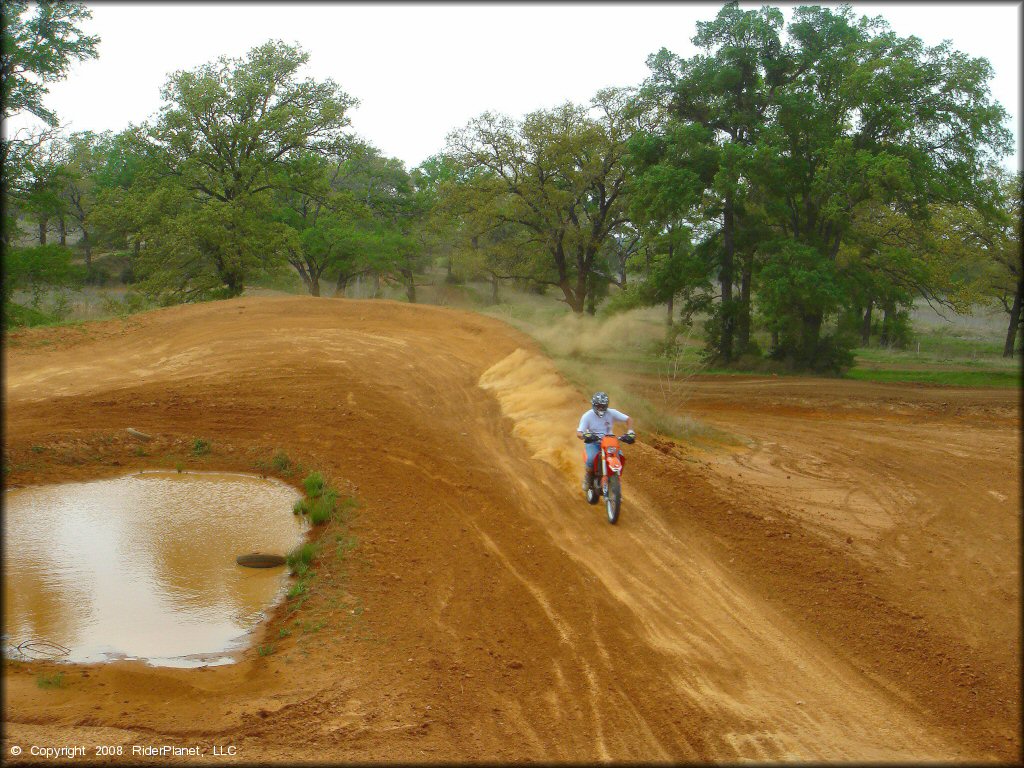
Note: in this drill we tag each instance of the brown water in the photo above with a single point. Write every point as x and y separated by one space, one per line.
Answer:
144 566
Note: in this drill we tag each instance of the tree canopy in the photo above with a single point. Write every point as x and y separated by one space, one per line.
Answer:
39 46
40 42
229 134
554 182
797 139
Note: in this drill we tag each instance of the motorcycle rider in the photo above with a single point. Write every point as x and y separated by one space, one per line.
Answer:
599 420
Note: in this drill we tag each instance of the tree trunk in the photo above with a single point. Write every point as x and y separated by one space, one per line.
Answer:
62 230
575 299
743 320
314 284
582 284
234 283
43 222
1011 331
410 287
865 329
810 333
575 302
725 347
884 340
342 284
670 317
376 285
87 245
301 269
591 303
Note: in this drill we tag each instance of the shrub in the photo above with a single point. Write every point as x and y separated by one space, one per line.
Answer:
303 554
200 447
39 268
129 305
322 509
281 462
318 515
61 306
833 353
631 297
95 274
894 330
320 501
314 484
17 316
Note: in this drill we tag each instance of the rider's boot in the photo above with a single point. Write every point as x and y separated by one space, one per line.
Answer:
588 478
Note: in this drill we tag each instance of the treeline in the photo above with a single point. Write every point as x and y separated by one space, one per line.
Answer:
803 185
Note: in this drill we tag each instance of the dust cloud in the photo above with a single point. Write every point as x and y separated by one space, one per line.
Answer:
544 407
573 335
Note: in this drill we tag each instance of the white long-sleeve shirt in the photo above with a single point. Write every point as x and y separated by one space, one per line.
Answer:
600 425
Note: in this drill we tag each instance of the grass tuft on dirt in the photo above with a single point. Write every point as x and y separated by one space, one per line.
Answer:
281 462
300 558
314 484
48 682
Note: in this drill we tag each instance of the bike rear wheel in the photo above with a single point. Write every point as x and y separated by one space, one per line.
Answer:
613 499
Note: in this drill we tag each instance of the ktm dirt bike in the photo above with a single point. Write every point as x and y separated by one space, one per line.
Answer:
608 466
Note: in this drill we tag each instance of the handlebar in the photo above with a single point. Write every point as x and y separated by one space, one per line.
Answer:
590 437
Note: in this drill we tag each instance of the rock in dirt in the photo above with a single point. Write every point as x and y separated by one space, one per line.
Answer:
260 560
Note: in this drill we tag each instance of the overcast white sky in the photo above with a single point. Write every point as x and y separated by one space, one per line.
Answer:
421 70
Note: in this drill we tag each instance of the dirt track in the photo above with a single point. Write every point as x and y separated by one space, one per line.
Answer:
841 586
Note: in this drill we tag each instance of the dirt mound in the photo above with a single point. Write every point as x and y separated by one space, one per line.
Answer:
485 612
541 405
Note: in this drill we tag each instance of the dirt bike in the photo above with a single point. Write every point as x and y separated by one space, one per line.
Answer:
608 466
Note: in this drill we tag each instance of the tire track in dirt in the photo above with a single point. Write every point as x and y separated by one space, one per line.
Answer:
926 558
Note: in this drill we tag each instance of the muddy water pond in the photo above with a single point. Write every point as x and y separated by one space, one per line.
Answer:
143 567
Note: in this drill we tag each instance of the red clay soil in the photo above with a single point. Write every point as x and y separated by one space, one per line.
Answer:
841 583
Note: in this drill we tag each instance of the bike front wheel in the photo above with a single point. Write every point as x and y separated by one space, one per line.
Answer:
613 499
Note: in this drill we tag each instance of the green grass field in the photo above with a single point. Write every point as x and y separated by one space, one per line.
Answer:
940 378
